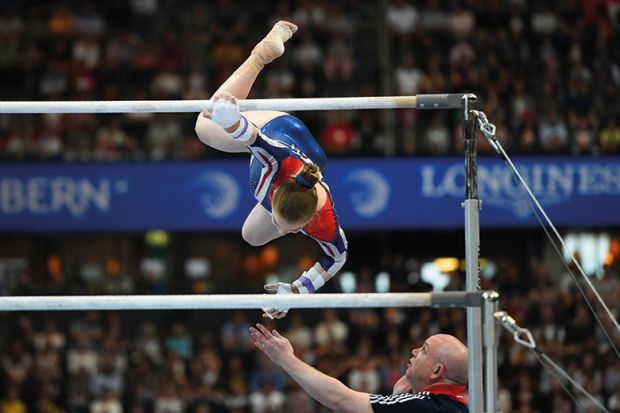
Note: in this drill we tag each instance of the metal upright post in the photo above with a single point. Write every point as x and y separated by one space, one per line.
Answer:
490 349
472 254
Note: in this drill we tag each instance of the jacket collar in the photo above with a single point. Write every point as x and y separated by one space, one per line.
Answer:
454 391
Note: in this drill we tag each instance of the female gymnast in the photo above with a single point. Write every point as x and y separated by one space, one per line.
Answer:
286 169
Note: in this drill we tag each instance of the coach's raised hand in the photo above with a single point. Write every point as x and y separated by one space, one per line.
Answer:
276 347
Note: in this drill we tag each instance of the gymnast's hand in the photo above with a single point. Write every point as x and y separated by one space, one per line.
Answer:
276 347
279 288
225 111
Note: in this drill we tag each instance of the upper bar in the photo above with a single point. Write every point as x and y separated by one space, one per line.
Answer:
229 301
169 106
195 106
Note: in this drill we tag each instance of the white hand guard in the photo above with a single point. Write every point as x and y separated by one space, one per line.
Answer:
283 288
225 113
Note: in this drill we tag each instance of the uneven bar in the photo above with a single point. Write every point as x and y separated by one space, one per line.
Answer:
233 301
163 106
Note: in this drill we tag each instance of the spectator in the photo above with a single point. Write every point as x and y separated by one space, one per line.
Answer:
308 53
16 366
196 84
331 330
48 364
148 344
237 400
614 400
168 400
50 336
609 137
527 141
87 328
401 17
78 391
12 403
391 371
338 137
522 105
62 21
437 137
267 399
364 376
461 20
543 21
87 52
408 76
167 83
553 134
161 137
266 374
90 21
107 402
298 401
310 14
338 63
112 142
180 341
235 334
584 141
226 55
434 79
434 19
146 9
299 333
106 379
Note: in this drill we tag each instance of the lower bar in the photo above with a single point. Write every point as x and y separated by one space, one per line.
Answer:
235 301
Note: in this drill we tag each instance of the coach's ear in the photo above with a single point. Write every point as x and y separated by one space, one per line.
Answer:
438 371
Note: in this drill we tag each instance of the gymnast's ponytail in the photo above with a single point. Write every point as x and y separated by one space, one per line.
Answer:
296 198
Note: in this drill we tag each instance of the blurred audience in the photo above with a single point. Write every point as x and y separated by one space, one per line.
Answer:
98 361
549 77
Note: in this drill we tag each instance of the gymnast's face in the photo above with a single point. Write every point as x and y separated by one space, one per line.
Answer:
285 227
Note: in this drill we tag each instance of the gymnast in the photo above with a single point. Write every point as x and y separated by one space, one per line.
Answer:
286 169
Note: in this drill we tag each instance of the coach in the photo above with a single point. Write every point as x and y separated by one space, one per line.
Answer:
435 380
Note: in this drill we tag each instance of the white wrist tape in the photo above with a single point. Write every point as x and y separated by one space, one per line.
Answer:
243 132
309 281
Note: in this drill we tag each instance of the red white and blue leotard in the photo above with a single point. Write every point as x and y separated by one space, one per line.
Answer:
279 157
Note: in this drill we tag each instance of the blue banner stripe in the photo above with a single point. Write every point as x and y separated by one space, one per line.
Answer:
369 194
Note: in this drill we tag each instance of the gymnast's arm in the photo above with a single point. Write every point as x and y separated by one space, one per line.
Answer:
333 258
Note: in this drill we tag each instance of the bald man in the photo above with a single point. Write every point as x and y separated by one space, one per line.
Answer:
435 380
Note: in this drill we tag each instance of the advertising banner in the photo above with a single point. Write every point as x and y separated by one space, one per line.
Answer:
368 193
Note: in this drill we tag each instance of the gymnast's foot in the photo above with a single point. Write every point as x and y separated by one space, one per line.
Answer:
272 46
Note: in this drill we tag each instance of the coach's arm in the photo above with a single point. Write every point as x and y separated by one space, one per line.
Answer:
323 388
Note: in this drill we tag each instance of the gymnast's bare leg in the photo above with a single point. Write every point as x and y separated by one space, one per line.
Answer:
239 85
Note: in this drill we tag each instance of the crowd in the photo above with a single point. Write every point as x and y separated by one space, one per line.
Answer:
549 77
177 362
